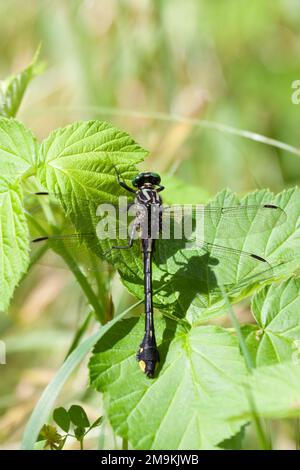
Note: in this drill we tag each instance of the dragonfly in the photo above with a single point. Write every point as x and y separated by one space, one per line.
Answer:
148 225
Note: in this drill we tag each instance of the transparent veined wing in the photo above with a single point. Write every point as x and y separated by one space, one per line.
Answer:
194 228
212 262
84 254
218 236
219 222
223 222
84 246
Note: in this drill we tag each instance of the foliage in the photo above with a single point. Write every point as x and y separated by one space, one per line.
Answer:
197 362
275 337
14 246
204 386
12 89
75 418
194 364
202 383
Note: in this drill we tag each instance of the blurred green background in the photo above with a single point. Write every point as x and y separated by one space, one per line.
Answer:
137 63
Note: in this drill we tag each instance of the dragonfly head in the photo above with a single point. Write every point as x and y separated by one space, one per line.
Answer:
153 179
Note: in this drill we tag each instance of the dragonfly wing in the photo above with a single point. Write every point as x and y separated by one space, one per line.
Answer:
209 229
70 250
224 222
104 219
236 266
231 266
100 228
80 252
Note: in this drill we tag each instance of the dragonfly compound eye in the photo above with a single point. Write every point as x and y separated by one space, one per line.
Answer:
154 178
147 177
138 180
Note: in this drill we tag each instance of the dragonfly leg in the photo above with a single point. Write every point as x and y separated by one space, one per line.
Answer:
122 182
122 247
130 241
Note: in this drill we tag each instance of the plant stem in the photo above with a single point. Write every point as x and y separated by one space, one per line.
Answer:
84 284
236 326
297 426
261 435
263 440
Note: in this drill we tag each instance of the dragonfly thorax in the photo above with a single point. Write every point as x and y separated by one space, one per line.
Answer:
148 196
148 216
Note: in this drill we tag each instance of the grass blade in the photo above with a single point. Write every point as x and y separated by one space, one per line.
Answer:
260 432
202 123
43 408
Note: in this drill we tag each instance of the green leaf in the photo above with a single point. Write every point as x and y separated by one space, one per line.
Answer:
78 416
18 148
193 364
236 441
275 390
97 422
12 90
187 284
275 338
185 281
77 162
62 418
46 401
79 433
14 249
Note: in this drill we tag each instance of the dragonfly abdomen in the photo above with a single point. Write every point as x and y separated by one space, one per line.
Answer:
148 355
